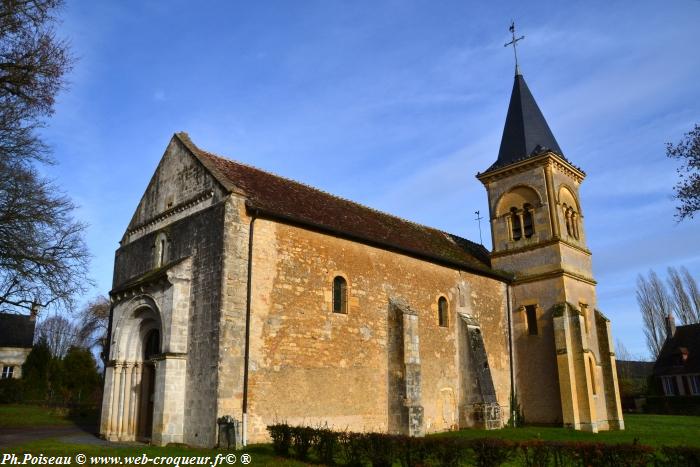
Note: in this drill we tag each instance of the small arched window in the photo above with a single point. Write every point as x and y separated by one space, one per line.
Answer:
531 317
340 295
528 224
515 224
152 346
443 312
161 250
571 211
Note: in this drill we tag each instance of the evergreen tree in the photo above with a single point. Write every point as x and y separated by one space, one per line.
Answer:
81 379
35 372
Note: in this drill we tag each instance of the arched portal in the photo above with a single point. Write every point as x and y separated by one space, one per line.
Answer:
137 348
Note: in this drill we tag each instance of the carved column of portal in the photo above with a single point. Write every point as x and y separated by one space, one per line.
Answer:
105 419
134 400
126 417
114 415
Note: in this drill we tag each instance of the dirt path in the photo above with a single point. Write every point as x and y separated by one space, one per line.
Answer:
69 434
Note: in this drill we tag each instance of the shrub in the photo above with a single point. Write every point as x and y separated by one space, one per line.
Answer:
677 405
679 456
446 451
326 445
302 439
354 448
536 453
281 435
11 391
412 452
383 450
380 449
492 452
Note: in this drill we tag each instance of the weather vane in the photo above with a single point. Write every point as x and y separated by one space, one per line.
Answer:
514 43
478 219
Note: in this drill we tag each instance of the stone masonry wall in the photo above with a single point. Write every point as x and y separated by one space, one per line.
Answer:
310 365
201 237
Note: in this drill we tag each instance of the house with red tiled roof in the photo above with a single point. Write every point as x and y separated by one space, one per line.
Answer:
245 297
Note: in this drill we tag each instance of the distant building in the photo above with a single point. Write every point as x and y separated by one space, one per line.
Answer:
16 338
677 368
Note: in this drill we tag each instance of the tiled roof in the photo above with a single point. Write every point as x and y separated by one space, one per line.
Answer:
295 202
16 330
686 340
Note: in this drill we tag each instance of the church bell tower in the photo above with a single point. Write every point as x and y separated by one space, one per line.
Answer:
564 361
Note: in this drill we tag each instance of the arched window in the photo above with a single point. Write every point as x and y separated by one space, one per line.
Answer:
531 317
516 208
571 211
528 225
442 312
517 231
161 250
152 344
340 295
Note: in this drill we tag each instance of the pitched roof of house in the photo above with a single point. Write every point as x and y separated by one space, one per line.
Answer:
685 341
16 330
294 202
525 133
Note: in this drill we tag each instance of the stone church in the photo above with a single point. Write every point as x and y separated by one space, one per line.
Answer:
241 293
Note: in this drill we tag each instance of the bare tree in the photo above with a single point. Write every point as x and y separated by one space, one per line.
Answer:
621 351
655 305
43 258
58 333
32 64
693 291
688 188
683 287
93 322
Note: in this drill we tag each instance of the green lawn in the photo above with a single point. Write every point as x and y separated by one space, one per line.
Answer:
261 455
32 415
653 430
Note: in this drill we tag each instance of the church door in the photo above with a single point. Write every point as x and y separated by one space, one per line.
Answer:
148 381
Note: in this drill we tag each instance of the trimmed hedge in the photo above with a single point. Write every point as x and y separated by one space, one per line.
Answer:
11 391
383 450
672 405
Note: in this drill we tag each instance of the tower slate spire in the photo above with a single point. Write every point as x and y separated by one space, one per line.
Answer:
526 133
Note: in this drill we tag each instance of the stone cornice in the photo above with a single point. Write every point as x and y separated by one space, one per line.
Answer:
535 246
169 355
157 277
547 158
553 274
178 208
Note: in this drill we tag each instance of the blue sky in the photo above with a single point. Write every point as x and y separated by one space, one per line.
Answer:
394 104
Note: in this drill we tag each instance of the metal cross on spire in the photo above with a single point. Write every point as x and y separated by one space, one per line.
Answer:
514 43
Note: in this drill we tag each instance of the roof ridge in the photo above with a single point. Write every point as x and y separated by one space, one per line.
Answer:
250 166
